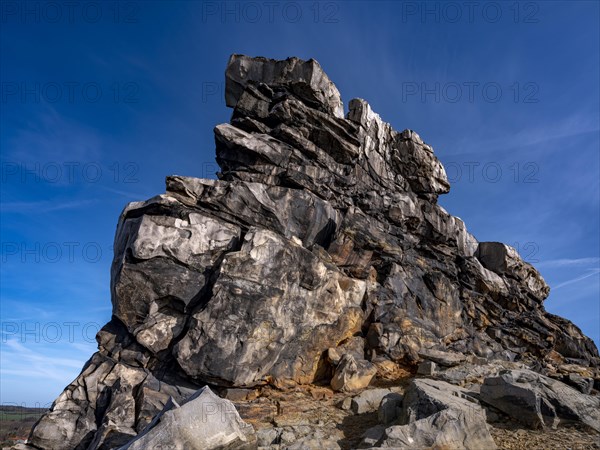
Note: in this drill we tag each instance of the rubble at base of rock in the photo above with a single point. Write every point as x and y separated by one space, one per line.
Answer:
320 257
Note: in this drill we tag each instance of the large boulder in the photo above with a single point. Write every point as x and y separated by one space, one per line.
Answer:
369 400
450 428
425 397
538 401
254 329
435 414
204 422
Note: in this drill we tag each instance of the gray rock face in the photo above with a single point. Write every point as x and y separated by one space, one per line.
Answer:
539 401
321 237
203 422
443 358
304 79
352 374
253 329
583 385
502 260
426 368
434 415
424 398
449 428
109 402
369 400
390 408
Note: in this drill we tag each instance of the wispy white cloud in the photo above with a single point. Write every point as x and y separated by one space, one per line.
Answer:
51 137
126 193
25 362
24 309
592 272
43 206
575 125
565 262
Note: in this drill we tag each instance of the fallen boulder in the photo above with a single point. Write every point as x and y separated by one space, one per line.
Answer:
368 400
539 401
425 397
205 421
352 374
448 429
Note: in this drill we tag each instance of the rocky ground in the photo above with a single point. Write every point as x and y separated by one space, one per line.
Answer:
512 436
293 419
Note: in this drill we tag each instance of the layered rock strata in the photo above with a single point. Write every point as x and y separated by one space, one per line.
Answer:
322 230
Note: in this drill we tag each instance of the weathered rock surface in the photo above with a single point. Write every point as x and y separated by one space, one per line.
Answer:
390 408
322 235
539 401
424 398
203 422
352 374
434 414
369 400
450 428
254 328
305 79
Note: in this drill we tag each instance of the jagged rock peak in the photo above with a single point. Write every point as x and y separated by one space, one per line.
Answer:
288 129
305 78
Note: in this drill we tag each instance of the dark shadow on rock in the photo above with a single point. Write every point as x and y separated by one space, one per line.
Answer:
353 428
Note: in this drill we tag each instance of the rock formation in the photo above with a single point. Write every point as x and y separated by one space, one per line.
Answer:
319 254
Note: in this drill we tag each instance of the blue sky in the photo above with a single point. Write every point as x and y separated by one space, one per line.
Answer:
102 100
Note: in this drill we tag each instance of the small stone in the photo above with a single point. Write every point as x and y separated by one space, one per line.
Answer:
426 368
266 436
352 375
346 404
238 395
333 356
